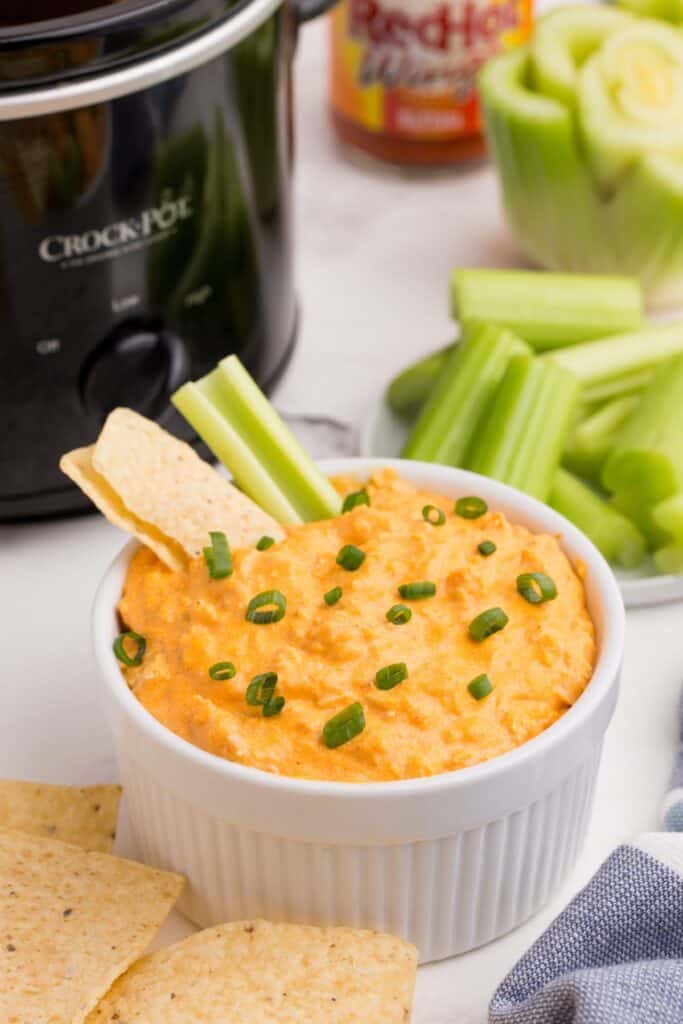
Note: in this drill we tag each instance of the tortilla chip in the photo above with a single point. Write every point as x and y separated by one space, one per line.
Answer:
85 816
70 923
158 489
262 973
78 466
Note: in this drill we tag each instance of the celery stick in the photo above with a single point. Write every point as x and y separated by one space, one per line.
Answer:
625 358
626 385
548 193
545 309
647 457
612 533
237 422
522 439
640 513
669 560
590 442
462 393
408 392
668 515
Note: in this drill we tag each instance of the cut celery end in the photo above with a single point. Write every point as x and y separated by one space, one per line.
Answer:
546 309
669 560
591 441
606 359
647 457
234 418
526 428
563 40
615 536
668 515
451 416
664 10
409 391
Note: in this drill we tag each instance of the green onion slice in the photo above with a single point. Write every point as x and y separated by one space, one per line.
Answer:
399 614
344 726
261 689
265 543
433 515
218 557
273 707
480 687
122 654
416 591
350 557
334 595
486 548
470 507
487 623
391 675
354 499
536 587
222 670
273 601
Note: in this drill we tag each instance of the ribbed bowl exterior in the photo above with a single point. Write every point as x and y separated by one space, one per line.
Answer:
446 895
449 862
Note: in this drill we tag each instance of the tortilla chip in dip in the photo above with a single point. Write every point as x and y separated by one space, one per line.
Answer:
262 973
70 923
85 816
158 489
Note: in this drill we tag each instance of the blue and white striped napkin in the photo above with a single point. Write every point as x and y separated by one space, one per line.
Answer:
615 954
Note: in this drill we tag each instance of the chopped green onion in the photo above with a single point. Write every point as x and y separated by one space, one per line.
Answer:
391 675
399 614
350 557
480 687
273 707
261 689
218 557
536 587
433 515
222 670
265 543
354 499
344 726
471 507
272 614
122 654
486 548
487 623
332 596
416 591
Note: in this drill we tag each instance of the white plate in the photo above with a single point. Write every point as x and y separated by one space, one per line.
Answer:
384 435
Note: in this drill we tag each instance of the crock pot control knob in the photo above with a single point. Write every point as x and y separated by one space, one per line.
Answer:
137 365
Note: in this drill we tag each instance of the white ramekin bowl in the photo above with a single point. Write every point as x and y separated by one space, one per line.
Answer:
448 862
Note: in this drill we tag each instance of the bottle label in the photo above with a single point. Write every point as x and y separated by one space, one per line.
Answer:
408 68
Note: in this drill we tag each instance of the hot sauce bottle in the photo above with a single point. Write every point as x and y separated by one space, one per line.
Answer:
403 74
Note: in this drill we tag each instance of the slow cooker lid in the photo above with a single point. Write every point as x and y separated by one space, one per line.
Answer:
45 42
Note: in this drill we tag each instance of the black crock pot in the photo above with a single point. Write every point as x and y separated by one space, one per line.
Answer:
145 215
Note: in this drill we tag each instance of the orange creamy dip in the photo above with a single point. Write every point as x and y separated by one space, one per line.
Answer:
327 657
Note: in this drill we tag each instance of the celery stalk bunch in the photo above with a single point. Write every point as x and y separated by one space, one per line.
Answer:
585 126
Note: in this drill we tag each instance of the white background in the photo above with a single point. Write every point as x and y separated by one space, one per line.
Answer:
374 252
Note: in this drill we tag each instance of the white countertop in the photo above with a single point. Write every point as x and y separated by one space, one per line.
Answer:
375 250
